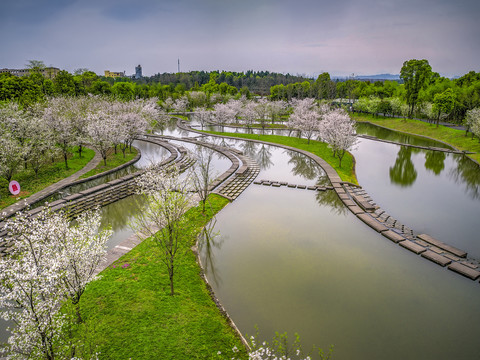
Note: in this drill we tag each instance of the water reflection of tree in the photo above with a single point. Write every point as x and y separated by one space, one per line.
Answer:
249 148
118 214
403 173
208 241
303 165
467 172
263 157
331 199
435 161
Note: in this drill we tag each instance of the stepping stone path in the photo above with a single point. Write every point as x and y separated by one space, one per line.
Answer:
362 205
274 183
235 185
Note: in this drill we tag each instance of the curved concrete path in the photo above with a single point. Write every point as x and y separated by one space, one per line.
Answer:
49 190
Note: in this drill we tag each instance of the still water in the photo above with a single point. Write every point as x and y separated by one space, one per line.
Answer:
429 191
298 261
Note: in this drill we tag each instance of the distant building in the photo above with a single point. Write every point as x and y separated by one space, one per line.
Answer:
114 74
48 72
138 72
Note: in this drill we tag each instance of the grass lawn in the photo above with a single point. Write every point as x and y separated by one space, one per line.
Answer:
48 175
453 137
133 315
113 160
346 172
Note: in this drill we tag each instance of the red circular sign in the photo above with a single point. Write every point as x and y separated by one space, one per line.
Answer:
14 187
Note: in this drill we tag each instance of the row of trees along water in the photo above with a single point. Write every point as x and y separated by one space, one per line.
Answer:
421 91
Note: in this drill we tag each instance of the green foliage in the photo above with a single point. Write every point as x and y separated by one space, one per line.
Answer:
415 75
134 317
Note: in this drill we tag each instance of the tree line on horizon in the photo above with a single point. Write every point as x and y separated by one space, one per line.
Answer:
460 95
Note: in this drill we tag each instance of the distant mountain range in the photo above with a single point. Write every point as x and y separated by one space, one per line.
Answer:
371 77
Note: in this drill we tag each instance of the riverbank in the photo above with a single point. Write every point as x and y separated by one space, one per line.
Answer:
448 135
346 172
133 315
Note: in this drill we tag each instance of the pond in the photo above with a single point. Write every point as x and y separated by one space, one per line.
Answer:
295 260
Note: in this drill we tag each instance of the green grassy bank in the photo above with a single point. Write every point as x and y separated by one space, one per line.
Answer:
48 175
113 160
346 172
133 316
453 137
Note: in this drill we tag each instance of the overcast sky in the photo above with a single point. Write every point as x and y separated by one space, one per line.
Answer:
341 37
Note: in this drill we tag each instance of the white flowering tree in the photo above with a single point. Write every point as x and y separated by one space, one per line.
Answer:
223 114
261 108
472 119
236 108
50 263
338 131
249 114
59 114
180 105
101 133
203 116
275 109
474 116
163 219
305 117
202 174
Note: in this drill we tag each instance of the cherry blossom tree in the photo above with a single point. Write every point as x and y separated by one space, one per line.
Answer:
261 108
338 131
163 220
249 114
180 105
305 117
223 114
275 109
202 173
471 117
101 133
203 115
59 114
236 107
49 264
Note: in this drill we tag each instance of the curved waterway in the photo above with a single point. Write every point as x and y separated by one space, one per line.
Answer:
298 261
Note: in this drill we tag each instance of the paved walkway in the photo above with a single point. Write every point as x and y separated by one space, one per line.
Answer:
49 190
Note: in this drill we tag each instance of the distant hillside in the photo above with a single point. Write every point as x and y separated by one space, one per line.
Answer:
378 77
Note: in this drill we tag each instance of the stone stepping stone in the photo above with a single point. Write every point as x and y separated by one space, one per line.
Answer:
374 224
312 188
443 246
276 184
356 210
292 185
410 245
436 258
301 186
392 235
464 270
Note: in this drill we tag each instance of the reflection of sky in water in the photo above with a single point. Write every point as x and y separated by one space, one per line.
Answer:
286 262
276 163
430 192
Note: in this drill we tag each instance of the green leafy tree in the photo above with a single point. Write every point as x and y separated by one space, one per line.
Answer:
443 103
64 84
415 75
